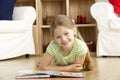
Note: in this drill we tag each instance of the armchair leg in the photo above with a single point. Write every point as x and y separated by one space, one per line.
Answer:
27 55
104 56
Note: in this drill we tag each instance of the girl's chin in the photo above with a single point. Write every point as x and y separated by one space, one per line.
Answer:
66 45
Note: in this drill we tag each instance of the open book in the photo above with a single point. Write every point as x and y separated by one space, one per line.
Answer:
44 74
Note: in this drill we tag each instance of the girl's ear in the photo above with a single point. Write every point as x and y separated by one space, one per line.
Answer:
75 30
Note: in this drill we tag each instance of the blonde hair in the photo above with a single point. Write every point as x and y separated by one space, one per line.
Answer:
87 66
63 20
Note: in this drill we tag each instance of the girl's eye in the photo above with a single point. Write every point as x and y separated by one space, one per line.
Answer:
58 37
66 33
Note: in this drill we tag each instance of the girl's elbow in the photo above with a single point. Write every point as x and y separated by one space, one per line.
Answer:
42 67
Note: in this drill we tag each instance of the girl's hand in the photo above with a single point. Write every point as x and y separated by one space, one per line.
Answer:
75 67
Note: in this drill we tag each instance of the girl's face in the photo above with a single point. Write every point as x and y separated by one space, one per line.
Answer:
64 36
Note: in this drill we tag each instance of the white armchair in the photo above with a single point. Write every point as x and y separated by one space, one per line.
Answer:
16 37
108 43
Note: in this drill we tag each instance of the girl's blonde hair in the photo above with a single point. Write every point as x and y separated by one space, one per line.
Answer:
63 20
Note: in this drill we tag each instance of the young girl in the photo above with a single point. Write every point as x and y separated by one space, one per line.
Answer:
65 52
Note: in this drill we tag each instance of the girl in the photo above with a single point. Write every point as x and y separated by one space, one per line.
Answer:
65 52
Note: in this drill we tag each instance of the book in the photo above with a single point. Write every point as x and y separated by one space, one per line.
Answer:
48 74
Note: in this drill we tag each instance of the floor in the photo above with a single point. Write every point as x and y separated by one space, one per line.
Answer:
107 68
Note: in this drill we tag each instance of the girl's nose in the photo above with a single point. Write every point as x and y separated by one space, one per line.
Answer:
63 38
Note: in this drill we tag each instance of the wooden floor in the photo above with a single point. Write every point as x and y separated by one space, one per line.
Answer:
106 68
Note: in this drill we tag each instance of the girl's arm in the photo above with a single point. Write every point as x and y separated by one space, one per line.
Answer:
45 64
80 59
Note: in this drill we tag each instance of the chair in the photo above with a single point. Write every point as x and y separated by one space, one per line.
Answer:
108 29
16 37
